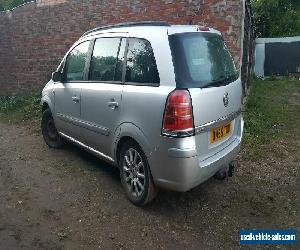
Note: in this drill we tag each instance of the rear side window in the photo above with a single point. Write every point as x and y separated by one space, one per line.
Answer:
201 60
141 65
107 59
75 63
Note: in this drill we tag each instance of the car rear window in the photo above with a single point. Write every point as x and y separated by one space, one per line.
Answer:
201 60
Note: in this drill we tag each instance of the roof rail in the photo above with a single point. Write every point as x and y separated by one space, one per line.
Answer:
128 24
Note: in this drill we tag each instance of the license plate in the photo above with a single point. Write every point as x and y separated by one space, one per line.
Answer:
217 134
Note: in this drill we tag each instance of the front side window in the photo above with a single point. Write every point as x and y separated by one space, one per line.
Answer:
107 59
201 60
141 65
75 63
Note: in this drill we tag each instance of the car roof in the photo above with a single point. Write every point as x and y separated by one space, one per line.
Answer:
134 28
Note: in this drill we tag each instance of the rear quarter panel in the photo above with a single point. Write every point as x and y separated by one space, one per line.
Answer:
143 106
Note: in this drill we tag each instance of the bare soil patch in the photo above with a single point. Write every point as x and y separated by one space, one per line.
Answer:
54 199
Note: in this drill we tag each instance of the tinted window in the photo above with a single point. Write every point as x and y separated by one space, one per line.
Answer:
120 61
75 64
141 65
107 60
201 60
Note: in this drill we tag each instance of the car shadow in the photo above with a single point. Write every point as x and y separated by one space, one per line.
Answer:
93 163
166 201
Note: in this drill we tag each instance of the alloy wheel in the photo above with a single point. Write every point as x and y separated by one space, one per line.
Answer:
134 172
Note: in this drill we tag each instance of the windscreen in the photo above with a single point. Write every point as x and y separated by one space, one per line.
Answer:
201 60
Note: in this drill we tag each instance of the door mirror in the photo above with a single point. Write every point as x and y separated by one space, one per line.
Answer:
56 76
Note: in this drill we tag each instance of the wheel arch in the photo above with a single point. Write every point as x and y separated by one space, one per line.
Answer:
47 103
126 132
44 106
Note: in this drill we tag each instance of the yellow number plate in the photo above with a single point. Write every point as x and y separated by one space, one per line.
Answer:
219 133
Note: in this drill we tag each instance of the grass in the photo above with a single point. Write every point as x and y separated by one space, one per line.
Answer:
272 114
19 108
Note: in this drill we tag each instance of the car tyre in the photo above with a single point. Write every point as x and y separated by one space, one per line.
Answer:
49 131
135 174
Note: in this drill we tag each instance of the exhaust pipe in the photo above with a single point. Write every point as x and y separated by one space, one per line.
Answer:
231 168
221 174
227 171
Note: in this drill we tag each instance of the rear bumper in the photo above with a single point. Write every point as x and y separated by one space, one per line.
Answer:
181 169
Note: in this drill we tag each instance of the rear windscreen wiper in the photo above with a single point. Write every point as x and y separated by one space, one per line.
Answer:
221 81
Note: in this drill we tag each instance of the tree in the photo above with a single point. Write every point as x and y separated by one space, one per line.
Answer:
276 18
9 4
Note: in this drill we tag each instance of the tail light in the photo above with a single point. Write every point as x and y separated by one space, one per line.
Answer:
178 117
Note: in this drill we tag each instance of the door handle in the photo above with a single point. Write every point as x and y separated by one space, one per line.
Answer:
113 104
75 99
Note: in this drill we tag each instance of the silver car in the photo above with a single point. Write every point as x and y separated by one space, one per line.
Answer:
161 102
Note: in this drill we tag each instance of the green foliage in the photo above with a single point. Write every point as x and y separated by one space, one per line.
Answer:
18 108
276 18
9 4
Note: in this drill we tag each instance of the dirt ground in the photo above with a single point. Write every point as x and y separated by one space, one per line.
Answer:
54 199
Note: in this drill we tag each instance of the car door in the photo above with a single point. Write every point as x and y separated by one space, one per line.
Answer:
67 93
101 96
